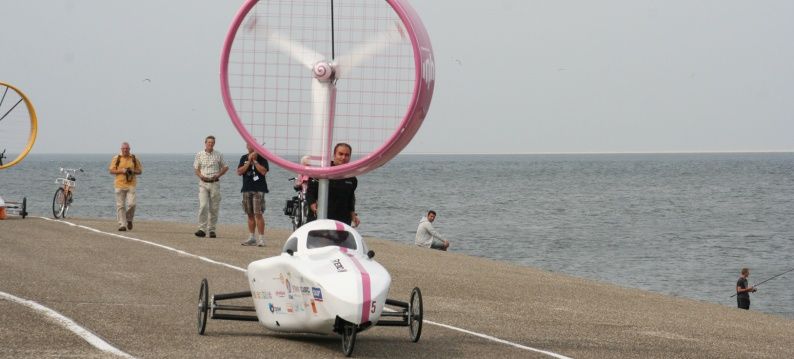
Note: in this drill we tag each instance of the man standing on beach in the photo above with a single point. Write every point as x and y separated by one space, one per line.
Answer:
209 167
427 236
341 192
743 290
125 167
253 169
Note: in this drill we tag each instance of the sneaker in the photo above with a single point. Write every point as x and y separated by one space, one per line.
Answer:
250 242
129 225
200 233
260 242
122 229
212 234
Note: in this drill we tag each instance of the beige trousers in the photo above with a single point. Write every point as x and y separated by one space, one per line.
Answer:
209 203
125 198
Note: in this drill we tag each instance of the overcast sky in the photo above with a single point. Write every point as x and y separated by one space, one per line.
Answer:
513 76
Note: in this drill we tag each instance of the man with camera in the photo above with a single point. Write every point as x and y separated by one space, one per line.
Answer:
125 167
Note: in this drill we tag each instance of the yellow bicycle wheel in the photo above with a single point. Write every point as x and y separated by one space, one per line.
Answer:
17 125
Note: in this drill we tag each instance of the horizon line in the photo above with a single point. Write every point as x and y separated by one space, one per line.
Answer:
477 153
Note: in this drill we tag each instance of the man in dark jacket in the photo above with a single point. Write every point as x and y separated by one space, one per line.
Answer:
341 192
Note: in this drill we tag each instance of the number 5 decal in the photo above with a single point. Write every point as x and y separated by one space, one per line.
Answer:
373 307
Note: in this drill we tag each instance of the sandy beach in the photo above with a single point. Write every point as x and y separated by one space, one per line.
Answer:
141 298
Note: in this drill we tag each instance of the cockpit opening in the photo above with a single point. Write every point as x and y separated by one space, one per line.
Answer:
326 237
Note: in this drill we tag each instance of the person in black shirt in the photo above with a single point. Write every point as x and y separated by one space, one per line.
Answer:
341 192
253 169
743 290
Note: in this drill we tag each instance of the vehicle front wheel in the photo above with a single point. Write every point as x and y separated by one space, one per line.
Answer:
349 339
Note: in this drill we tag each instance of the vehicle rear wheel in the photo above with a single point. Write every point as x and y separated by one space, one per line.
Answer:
203 306
348 339
415 314
57 203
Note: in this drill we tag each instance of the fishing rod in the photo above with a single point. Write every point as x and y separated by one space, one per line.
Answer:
768 279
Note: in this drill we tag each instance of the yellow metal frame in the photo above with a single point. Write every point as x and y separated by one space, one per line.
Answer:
33 127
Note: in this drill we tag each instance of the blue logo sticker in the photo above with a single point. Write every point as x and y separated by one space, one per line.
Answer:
317 294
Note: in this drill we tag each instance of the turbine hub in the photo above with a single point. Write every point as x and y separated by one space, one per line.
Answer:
323 71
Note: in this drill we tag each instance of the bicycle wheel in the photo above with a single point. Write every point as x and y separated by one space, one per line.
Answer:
67 204
296 217
304 214
17 125
24 212
58 202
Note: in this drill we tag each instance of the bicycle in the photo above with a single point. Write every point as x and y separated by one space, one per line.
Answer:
297 208
63 195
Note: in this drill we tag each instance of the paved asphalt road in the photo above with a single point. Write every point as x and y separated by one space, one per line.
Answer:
142 299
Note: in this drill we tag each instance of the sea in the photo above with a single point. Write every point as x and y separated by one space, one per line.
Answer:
678 224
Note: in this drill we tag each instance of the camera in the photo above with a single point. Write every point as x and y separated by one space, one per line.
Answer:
128 172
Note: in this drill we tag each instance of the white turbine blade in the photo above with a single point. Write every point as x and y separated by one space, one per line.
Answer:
300 53
320 111
371 48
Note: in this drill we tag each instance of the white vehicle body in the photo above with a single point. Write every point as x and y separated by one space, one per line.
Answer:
328 275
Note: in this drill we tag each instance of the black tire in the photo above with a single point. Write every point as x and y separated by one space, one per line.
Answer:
24 211
203 306
349 338
296 216
57 203
67 204
415 314
304 215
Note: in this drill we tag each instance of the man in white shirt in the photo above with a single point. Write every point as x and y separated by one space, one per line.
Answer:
209 167
427 236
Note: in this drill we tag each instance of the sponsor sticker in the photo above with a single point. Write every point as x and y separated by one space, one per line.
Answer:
262 295
338 265
274 309
317 293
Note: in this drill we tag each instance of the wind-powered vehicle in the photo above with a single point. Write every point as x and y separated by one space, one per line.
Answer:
325 281
300 78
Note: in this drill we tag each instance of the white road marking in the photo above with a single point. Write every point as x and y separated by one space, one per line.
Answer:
484 336
67 323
